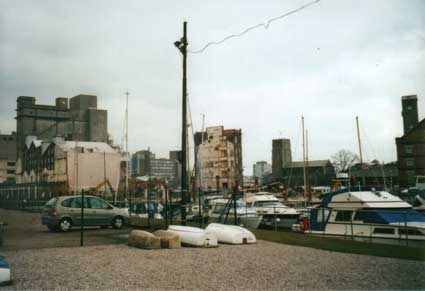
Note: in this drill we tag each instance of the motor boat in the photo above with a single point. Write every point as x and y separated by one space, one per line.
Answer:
231 234
194 236
223 211
366 213
275 213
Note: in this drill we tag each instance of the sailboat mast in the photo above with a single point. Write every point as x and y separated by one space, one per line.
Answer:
198 167
359 141
126 145
198 162
304 163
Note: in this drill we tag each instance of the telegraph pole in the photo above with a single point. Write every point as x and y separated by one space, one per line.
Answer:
182 46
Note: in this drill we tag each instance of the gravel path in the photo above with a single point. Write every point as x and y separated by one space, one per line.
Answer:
262 266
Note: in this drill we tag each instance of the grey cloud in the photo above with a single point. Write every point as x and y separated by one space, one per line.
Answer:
331 62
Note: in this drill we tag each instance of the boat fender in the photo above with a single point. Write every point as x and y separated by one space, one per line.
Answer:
306 223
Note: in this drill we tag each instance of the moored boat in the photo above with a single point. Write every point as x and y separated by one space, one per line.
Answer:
366 213
275 213
223 211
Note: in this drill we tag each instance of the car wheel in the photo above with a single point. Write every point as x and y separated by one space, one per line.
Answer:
117 222
65 225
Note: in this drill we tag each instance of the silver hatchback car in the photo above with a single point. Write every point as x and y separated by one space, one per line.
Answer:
63 212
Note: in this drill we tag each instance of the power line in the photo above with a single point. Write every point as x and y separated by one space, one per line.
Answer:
265 25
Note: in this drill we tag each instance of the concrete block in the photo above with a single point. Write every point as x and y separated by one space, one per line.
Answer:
143 240
169 239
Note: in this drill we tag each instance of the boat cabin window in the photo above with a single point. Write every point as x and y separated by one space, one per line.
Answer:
268 204
402 231
343 215
381 230
323 214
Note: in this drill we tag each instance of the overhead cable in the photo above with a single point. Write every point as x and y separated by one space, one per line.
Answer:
265 25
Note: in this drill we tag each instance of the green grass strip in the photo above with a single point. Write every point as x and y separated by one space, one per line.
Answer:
342 245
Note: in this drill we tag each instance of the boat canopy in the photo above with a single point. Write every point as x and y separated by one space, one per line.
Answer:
362 197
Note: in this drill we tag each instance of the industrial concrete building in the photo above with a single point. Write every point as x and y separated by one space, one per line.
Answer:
140 162
220 156
281 156
7 157
262 168
76 165
145 163
411 146
78 120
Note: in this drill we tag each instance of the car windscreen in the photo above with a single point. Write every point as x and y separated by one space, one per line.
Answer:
50 203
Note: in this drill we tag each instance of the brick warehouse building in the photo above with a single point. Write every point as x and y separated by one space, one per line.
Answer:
411 146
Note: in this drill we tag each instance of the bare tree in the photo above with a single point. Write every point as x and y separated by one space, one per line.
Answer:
343 160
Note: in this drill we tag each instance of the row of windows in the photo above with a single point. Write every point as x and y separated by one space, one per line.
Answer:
90 202
401 231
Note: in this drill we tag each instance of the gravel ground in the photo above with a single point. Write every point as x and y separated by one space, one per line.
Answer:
262 266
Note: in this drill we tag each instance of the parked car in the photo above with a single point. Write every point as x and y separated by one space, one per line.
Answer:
63 212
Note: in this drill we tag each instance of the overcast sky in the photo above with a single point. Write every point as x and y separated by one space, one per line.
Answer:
329 62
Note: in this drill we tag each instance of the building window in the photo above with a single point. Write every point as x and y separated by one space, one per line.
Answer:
10 171
11 164
410 163
408 149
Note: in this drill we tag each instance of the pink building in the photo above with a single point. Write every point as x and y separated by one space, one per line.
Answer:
80 165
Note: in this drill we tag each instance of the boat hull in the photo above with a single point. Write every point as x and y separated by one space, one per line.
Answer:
248 222
231 234
194 236
281 221
371 231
